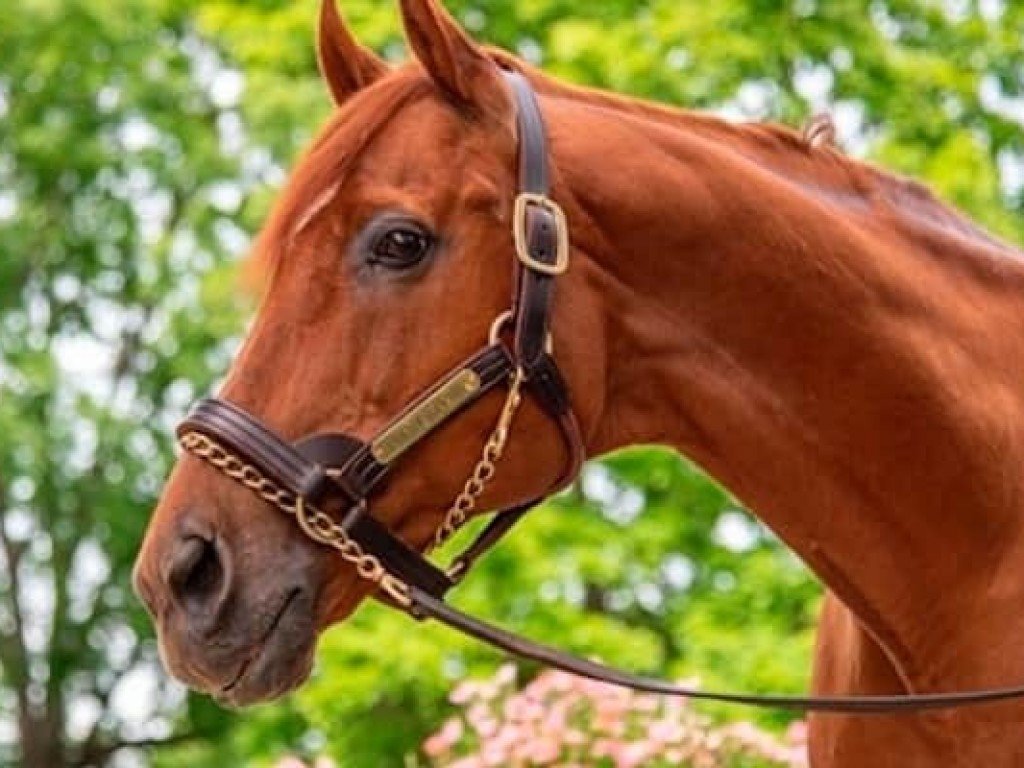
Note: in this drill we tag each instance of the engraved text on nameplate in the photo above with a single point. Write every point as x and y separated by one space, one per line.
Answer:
423 419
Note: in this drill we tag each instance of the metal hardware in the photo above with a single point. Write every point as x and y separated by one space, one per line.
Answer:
322 528
314 523
486 468
504 319
457 571
522 206
426 417
498 326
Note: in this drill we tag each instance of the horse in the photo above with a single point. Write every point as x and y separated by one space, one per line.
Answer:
837 347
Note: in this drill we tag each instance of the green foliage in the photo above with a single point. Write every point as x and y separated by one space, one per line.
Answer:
132 172
110 221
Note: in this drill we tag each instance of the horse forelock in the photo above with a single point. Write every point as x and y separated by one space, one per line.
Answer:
323 166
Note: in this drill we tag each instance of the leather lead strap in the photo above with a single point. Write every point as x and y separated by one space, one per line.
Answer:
425 606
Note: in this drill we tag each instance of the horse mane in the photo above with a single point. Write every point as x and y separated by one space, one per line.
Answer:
820 165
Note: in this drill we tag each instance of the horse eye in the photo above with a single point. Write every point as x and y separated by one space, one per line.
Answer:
399 247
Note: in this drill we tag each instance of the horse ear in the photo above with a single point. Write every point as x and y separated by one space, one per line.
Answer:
346 65
457 65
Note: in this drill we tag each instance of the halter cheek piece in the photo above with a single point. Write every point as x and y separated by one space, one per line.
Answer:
326 481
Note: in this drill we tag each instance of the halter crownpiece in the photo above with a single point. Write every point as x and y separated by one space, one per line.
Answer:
326 481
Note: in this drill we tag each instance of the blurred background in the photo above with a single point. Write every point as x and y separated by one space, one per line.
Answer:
141 142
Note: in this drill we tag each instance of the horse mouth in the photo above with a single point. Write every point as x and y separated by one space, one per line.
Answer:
279 663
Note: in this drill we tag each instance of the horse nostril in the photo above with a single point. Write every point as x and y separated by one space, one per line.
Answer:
197 574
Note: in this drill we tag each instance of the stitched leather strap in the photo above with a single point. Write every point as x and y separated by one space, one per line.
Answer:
360 470
533 291
427 607
237 430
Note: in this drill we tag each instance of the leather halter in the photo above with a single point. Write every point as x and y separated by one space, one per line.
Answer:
327 481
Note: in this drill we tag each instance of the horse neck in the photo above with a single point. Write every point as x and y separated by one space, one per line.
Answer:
850 370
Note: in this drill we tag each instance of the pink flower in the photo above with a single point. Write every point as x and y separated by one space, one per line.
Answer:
674 756
486 727
646 704
441 743
506 675
666 731
633 755
550 682
514 709
607 748
555 720
524 709
479 717
609 721
574 737
508 735
798 758
494 754
546 751
797 732
464 693
559 721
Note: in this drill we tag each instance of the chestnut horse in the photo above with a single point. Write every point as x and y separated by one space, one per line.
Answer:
838 348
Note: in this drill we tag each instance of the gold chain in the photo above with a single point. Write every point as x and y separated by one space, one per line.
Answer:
316 524
322 528
486 468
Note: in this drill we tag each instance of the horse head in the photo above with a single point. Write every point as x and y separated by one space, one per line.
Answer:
389 259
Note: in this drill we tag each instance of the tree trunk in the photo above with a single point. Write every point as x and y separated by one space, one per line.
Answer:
41 746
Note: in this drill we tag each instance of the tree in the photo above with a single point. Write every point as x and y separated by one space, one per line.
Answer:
121 177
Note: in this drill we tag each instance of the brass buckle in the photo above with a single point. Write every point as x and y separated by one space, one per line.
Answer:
523 203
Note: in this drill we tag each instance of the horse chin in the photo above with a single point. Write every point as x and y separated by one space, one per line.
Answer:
278 664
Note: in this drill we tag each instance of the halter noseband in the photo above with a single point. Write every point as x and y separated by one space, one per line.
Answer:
326 481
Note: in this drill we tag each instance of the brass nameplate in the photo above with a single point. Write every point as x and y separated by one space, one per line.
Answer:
424 418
